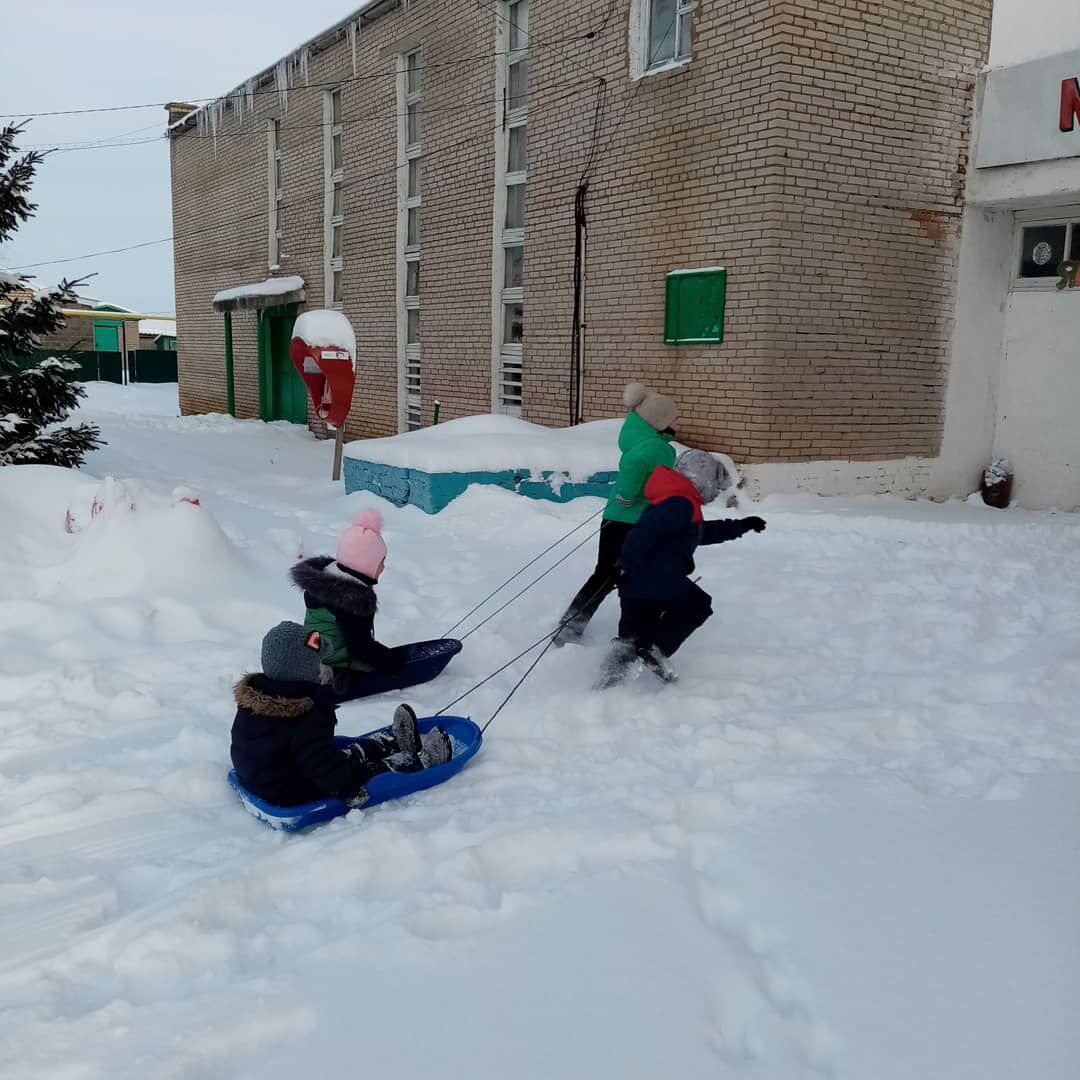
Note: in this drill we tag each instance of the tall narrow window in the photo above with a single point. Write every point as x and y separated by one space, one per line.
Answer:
511 171
410 175
274 193
334 215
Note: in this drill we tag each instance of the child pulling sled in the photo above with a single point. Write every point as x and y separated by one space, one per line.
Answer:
660 606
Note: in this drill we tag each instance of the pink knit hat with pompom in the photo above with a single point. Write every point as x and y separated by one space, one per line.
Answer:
361 547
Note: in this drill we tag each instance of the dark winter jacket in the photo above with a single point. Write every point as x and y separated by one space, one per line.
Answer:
341 605
643 449
657 557
283 744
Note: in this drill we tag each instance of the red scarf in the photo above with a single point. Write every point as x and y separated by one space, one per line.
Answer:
666 483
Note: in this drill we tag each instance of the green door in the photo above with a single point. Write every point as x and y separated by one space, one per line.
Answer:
288 395
106 337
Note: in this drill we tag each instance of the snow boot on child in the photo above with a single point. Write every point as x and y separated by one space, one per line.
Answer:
416 751
405 729
620 659
436 748
657 662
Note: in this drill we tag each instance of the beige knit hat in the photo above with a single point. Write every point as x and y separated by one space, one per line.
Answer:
655 409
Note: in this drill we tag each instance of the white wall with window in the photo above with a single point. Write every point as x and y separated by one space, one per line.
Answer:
511 180
661 34
410 180
334 213
275 194
1014 378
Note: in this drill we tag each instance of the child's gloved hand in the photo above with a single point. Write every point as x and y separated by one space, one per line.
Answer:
754 524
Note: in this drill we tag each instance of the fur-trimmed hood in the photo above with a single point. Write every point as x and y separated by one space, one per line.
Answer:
252 692
330 587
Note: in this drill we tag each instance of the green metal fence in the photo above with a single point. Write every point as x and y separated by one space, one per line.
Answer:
152 365
143 365
93 366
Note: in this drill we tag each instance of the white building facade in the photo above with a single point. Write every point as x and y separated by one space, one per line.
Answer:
1014 374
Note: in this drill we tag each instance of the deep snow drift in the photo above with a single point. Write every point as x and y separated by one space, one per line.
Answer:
844 845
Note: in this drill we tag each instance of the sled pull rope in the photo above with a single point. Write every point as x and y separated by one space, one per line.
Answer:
518 573
549 638
522 592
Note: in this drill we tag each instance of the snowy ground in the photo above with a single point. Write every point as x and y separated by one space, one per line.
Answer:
845 845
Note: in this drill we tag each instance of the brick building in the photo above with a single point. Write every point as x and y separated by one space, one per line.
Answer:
817 151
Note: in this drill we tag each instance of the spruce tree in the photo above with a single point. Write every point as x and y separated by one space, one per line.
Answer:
33 396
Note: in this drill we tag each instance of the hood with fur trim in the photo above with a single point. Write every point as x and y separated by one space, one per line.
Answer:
333 588
248 695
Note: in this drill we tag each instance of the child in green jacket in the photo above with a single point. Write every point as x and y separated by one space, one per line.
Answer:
645 441
339 595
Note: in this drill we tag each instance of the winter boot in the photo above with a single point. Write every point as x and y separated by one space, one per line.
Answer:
656 662
406 730
436 748
571 627
617 665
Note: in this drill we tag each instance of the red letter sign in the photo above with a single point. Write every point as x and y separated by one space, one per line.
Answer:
1070 103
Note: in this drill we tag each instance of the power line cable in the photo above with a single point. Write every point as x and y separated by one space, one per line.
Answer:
264 211
324 85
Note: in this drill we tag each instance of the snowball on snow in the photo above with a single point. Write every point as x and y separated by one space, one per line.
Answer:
323 327
495 443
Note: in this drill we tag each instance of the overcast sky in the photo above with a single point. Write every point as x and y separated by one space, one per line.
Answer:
59 54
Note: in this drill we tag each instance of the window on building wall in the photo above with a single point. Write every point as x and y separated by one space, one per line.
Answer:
512 176
334 233
660 34
1043 244
410 175
275 192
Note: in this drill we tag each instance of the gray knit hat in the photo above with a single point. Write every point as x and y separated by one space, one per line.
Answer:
655 409
705 472
291 654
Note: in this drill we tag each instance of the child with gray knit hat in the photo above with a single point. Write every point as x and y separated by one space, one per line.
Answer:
283 747
660 606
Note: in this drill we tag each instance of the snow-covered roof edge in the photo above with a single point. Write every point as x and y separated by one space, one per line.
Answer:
274 290
294 61
158 327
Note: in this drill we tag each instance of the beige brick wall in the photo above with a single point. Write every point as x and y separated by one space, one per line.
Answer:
815 150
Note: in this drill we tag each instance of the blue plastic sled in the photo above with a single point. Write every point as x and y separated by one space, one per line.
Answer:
466 738
421 662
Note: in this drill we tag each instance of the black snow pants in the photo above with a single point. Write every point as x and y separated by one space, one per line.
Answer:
664 623
591 595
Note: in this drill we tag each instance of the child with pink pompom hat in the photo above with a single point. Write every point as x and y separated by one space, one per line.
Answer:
339 595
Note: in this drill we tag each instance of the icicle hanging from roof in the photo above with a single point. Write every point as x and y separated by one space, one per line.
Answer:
302 61
281 83
249 95
352 31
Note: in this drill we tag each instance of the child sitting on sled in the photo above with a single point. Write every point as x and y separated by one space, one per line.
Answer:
283 746
339 595
660 606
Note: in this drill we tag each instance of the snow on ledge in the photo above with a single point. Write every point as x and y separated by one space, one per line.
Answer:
497 443
261 293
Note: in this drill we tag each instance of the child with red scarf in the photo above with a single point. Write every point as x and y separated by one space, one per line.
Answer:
661 606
